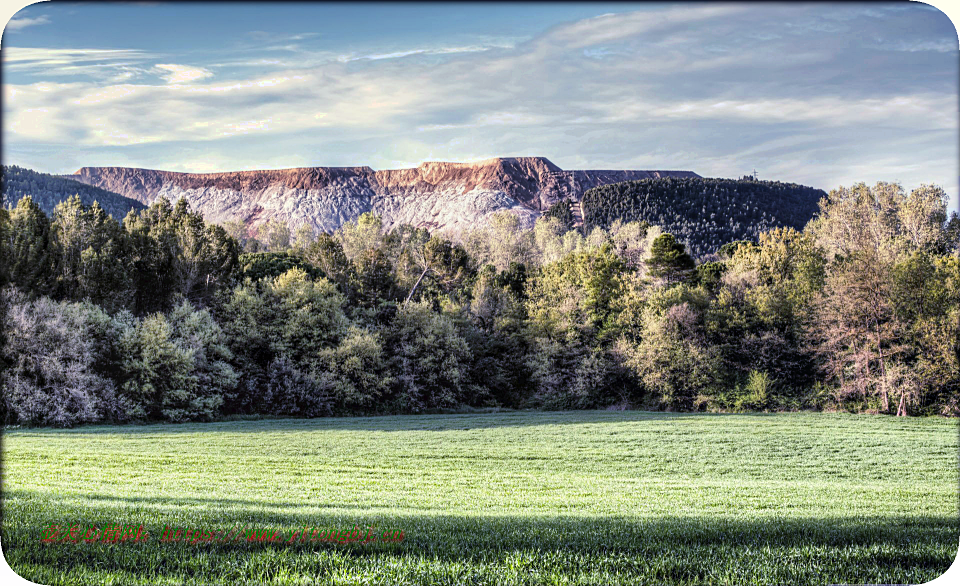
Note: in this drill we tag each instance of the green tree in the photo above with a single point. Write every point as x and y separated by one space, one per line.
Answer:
859 326
92 254
32 252
669 260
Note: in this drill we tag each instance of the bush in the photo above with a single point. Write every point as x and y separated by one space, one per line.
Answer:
292 392
56 353
430 359
357 371
174 368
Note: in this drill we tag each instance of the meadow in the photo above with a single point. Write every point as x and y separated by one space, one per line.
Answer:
589 497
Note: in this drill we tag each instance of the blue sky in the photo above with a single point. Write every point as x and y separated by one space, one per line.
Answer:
821 94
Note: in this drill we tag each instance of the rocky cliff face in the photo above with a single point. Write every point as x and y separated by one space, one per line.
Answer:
440 196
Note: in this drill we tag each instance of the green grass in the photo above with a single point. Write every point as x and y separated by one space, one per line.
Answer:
516 498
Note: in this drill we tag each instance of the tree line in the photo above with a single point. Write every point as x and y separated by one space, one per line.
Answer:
164 317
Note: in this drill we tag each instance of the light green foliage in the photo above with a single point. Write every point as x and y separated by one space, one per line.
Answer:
197 332
511 498
575 295
237 230
632 240
357 371
303 237
927 293
501 242
363 235
674 361
310 317
274 235
548 235
759 316
871 237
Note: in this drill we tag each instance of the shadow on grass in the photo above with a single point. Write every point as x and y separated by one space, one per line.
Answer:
427 422
484 548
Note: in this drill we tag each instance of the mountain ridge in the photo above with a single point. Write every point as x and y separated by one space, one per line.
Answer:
439 195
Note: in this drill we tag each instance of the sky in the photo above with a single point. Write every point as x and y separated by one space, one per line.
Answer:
823 94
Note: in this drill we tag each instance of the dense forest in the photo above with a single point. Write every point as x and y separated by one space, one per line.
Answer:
163 317
702 213
49 190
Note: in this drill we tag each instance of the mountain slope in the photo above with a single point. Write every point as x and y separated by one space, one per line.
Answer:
435 195
49 190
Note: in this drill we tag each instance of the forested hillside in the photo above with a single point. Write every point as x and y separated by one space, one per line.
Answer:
703 213
48 190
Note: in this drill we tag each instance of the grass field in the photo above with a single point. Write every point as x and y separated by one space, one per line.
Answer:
514 498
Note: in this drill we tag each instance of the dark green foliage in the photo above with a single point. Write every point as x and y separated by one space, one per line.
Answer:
514 279
30 253
375 279
326 253
708 275
175 254
92 255
730 248
268 265
49 190
704 213
174 367
669 259
430 359
277 330
290 391
561 211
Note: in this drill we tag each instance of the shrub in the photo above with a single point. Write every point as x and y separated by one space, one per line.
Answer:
56 353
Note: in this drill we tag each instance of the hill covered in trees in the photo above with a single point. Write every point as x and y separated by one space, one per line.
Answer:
49 190
704 213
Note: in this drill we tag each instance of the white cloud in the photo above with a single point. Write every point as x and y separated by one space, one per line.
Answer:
432 51
20 58
177 74
680 78
15 24
609 28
